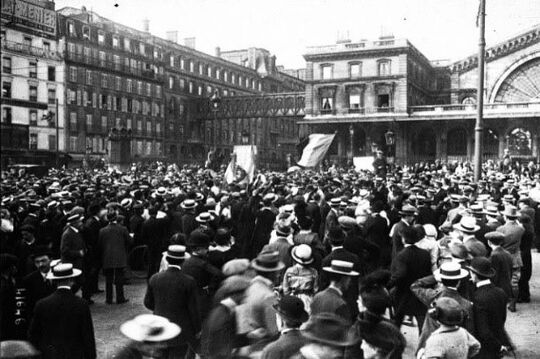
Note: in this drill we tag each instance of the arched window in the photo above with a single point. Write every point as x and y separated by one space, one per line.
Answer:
456 142
519 142
469 100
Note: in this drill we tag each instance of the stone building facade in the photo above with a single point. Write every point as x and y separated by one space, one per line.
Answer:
369 92
32 83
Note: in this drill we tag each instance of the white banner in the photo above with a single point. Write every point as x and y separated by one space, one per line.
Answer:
316 149
242 165
363 163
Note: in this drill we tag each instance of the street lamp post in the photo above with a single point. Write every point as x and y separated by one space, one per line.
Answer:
351 140
390 139
479 127
215 102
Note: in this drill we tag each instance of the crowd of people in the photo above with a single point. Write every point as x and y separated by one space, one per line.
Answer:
302 264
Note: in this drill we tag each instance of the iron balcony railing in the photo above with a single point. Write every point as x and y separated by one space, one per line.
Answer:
472 107
31 50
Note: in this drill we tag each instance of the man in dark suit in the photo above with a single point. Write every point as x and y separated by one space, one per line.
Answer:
331 300
489 308
337 240
314 212
188 222
377 232
90 233
411 264
36 283
408 214
155 235
264 224
501 261
292 314
113 244
62 324
173 295
73 250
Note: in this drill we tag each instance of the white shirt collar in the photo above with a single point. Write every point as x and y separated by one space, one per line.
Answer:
74 229
64 287
287 330
336 289
174 266
483 283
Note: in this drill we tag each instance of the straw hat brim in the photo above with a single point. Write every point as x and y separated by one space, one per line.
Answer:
300 260
467 230
332 270
462 274
76 273
133 331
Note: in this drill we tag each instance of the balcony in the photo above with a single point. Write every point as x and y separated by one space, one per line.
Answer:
357 110
31 50
491 110
116 66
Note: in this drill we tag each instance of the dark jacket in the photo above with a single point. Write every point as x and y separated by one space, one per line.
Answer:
62 327
70 248
90 233
288 344
489 308
411 264
36 288
173 295
114 240
501 261
377 232
263 227
330 301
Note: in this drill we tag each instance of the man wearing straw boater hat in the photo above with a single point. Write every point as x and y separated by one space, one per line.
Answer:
150 336
467 226
340 273
62 324
443 283
173 295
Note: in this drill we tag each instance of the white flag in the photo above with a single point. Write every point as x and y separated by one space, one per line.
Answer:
316 149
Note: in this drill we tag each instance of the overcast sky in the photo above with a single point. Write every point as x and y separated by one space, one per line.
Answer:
440 29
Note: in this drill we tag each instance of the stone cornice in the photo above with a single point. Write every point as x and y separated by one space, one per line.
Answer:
502 49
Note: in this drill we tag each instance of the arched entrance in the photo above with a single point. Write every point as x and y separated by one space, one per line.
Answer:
520 82
456 144
424 145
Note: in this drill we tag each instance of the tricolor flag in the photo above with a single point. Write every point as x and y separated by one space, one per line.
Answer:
242 166
316 149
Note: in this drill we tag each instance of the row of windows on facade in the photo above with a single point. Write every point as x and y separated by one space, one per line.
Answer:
199 90
355 69
355 98
115 41
33 118
102 101
107 122
31 69
97 57
30 43
98 145
115 82
216 73
32 92
34 145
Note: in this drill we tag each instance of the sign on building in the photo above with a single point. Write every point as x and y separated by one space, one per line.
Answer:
29 15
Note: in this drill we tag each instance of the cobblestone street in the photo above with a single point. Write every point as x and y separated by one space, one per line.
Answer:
523 326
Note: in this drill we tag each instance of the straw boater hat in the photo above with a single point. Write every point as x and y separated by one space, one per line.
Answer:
267 261
335 202
150 328
408 210
467 224
63 271
176 251
492 211
341 267
302 254
511 212
204 217
451 270
188 204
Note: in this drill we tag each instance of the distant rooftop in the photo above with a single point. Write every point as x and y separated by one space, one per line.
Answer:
347 45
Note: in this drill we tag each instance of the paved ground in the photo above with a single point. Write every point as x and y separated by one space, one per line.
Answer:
523 326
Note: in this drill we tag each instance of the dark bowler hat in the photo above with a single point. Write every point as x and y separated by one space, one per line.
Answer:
267 261
336 237
291 308
482 266
198 239
329 328
495 237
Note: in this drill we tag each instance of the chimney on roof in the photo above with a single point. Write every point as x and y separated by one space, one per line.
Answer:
146 25
172 36
189 42
218 51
